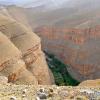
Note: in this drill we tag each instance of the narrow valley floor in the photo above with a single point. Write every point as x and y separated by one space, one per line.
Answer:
59 69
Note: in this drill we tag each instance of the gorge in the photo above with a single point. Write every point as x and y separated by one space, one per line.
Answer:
50 50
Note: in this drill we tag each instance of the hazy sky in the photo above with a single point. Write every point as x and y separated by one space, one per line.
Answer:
27 1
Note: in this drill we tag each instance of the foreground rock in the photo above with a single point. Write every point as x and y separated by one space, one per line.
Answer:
3 79
32 92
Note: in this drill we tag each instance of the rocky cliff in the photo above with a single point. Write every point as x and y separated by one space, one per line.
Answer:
29 44
11 63
79 48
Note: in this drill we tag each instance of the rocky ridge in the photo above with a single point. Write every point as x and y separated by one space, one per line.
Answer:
12 65
31 54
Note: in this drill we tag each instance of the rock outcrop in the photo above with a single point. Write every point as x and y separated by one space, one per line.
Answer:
30 46
76 47
11 63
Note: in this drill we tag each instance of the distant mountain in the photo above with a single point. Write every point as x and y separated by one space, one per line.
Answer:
72 13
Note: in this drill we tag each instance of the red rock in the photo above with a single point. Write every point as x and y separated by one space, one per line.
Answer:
79 48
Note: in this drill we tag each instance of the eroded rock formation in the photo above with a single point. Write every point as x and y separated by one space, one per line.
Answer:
79 48
30 46
11 63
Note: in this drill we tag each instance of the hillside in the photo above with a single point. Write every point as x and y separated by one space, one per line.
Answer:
33 58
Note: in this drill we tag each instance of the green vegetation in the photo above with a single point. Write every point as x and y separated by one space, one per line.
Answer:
59 70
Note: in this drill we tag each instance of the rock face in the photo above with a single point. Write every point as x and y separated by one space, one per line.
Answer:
79 48
11 63
30 46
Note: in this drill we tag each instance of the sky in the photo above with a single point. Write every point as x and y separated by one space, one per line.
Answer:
21 2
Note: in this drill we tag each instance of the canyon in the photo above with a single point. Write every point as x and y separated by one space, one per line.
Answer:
74 44
79 48
70 33
50 51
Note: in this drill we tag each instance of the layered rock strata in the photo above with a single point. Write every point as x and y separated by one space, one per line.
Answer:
11 64
79 48
30 46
